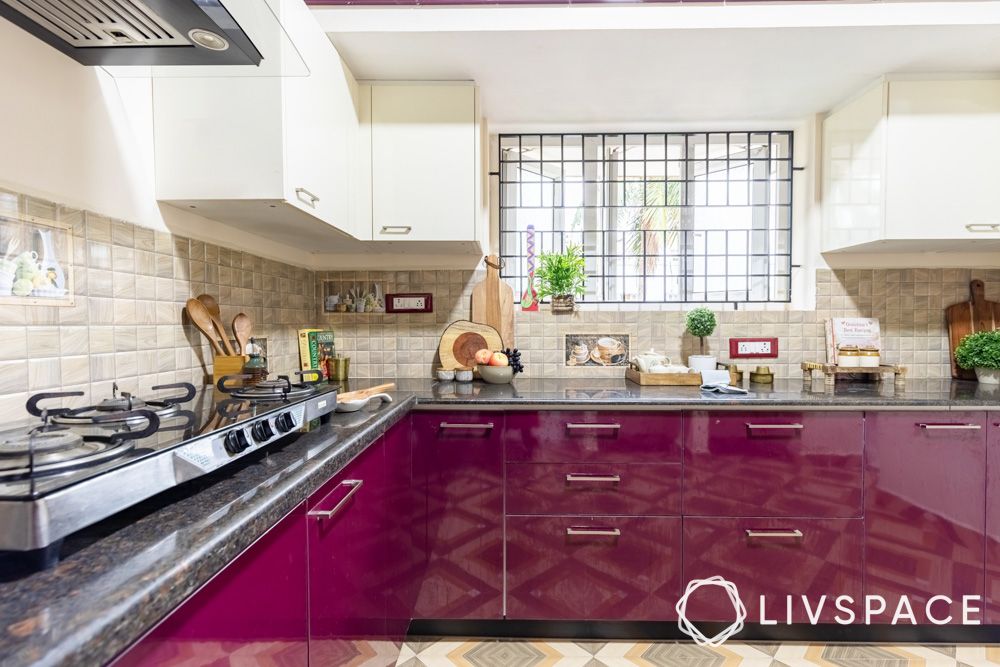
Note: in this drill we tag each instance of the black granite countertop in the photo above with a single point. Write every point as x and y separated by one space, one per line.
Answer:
120 577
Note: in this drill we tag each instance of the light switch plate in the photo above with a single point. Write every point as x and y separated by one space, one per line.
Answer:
418 302
749 348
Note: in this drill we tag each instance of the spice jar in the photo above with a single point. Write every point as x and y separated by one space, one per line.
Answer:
869 357
256 364
849 356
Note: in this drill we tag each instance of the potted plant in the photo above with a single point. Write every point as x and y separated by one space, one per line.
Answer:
561 276
701 323
981 351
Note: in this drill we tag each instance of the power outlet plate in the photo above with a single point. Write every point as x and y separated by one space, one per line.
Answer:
750 348
417 302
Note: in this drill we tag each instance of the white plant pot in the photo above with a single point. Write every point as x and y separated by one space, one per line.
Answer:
988 375
701 362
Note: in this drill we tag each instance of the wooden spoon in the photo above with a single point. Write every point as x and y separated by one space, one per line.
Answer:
242 327
212 308
202 319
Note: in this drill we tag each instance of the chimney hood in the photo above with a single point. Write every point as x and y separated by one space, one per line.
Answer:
136 32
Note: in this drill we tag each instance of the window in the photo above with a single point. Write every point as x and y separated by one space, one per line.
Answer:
661 218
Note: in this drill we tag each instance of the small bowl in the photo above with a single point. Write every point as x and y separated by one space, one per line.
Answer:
463 374
445 374
496 374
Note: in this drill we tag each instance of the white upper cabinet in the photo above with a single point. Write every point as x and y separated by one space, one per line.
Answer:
908 165
273 155
425 161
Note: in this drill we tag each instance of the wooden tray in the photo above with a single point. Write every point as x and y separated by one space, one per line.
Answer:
831 371
663 379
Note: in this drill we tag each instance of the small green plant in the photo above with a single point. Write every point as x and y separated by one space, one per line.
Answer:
561 274
979 350
701 323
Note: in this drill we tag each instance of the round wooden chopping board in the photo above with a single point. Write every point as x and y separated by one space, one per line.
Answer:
462 339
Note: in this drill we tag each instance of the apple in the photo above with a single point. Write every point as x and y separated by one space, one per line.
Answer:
498 359
483 356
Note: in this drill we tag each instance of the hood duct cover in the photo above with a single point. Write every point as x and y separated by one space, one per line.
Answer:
136 32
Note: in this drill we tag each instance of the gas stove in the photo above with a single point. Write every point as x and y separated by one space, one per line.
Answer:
72 467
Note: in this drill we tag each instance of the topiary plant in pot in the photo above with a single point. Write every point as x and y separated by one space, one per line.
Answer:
561 276
701 322
981 351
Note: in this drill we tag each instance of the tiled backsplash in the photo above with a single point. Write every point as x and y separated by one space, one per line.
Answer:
125 325
909 302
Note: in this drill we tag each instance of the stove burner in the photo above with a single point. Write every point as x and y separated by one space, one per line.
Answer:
280 389
123 409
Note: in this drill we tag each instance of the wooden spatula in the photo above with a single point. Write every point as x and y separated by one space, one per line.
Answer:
212 308
202 319
242 328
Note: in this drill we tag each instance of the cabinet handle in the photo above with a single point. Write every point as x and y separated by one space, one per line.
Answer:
950 427
794 534
583 477
593 532
487 425
355 486
983 227
605 427
313 199
396 229
796 427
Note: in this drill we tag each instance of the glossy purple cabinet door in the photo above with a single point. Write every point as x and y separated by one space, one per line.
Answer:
253 612
347 565
593 568
583 436
993 520
459 455
594 488
925 506
405 532
774 558
773 464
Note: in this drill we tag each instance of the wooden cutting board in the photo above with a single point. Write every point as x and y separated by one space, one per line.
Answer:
366 393
976 314
462 339
493 303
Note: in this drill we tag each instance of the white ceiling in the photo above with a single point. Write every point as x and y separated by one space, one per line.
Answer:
666 64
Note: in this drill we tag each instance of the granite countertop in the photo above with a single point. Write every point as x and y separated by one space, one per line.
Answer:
121 576
118 578
925 394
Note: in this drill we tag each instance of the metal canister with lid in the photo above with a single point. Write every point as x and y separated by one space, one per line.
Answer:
849 356
869 357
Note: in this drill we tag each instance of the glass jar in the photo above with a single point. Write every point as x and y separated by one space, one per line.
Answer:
256 364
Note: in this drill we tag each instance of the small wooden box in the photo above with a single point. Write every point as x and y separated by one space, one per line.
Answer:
227 365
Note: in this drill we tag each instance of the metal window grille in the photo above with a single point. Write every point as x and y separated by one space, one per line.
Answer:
660 217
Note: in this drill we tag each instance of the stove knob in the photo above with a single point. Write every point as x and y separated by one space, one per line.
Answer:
285 422
262 431
236 441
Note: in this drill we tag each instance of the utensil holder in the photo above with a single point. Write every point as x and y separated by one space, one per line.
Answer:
223 365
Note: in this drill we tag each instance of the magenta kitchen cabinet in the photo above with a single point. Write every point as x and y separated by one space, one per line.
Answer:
594 488
993 519
774 558
254 611
593 568
584 436
925 503
757 463
459 457
347 551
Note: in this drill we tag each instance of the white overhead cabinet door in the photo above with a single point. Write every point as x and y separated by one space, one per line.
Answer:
425 162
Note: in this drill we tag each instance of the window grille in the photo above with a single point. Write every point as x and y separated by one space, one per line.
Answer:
660 217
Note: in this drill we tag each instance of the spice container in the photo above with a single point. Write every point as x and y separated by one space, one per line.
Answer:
849 356
256 364
869 357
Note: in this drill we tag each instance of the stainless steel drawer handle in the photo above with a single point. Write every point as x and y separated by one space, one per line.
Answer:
396 229
593 532
355 486
582 477
313 199
605 427
796 427
487 425
983 227
775 534
950 427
